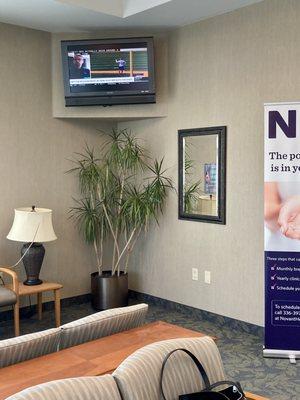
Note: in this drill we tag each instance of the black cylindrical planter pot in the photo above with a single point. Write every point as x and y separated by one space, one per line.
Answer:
109 291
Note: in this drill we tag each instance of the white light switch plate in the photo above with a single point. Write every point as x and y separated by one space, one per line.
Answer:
207 277
194 274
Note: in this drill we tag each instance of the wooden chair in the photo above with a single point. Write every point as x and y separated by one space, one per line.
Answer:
11 297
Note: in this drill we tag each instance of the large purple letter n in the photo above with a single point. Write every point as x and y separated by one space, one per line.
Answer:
288 129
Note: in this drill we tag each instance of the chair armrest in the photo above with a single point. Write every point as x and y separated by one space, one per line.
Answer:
14 276
251 396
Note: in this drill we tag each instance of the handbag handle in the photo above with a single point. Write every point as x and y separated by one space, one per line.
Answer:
229 383
197 363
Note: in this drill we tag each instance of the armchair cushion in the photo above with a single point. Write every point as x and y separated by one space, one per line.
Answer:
7 297
103 323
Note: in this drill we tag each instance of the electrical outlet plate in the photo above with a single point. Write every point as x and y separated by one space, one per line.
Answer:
207 277
194 274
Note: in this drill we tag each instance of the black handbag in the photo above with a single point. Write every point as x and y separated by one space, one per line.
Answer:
233 390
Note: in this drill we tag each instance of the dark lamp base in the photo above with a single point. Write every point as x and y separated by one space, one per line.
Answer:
32 261
32 282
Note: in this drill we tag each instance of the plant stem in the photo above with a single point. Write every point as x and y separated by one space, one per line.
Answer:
129 250
118 214
127 260
97 256
124 249
109 222
101 248
99 263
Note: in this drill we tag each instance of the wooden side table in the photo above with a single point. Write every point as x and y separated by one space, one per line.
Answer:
25 290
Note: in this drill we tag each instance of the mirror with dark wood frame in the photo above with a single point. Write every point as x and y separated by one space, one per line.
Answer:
202 174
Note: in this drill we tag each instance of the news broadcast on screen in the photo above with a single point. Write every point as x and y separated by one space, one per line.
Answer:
107 66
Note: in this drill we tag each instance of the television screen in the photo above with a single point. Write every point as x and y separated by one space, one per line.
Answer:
105 72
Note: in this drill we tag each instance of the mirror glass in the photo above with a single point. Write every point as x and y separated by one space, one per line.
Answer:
202 174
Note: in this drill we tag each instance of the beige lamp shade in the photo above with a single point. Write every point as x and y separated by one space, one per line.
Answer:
32 225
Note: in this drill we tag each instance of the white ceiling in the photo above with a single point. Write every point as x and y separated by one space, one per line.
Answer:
90 15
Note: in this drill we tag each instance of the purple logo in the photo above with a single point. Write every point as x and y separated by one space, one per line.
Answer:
289 129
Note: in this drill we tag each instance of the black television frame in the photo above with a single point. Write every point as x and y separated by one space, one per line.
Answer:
108 98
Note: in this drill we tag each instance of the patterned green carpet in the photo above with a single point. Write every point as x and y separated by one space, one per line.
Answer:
241 352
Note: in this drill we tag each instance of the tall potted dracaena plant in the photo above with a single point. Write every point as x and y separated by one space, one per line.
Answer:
123 189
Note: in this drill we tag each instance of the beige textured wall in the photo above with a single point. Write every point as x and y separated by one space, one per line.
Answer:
33 156
221 71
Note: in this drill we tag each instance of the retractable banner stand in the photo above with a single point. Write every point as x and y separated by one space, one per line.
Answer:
282 230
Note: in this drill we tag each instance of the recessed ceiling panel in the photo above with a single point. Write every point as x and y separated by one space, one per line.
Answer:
118 8
131 7
111 7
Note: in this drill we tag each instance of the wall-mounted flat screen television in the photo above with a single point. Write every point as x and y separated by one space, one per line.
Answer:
108 71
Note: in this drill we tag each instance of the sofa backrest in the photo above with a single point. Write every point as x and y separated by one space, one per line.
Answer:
25 347
85 388
103 323
138 376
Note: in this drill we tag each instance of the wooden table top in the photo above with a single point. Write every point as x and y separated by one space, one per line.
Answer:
25 290
93 358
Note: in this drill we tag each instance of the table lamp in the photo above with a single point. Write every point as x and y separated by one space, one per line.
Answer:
32 225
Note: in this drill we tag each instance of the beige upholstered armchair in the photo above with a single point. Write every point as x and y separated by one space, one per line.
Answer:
86 388
138 376
10 296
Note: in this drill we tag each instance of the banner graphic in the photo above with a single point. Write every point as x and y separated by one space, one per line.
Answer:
282 230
